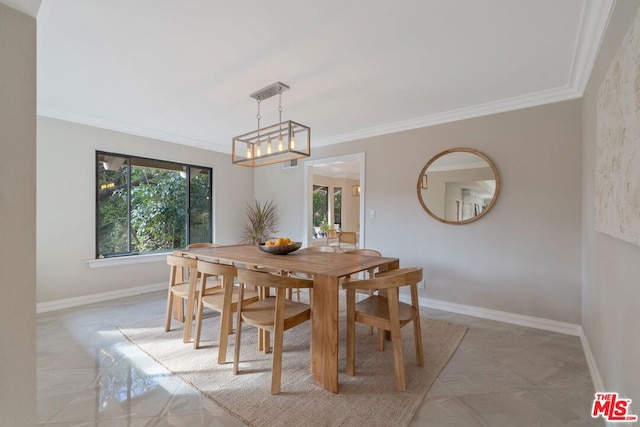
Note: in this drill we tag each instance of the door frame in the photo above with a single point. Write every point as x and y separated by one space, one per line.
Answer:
308 193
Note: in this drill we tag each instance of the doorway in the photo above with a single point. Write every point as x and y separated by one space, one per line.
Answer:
339 192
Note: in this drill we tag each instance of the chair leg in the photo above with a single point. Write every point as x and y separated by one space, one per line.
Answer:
236 349
382 335
196 338
417 334
417 328
351 332
396 340
167 325
278 332
370 327
398 361
266 349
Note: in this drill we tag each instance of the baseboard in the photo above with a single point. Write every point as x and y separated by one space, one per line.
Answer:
517 319
500 316
598 384
48 306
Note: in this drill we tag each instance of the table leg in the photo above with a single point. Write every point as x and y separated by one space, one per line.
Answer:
324 332
178 304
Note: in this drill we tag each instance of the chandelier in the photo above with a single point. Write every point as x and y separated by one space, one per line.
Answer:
277 143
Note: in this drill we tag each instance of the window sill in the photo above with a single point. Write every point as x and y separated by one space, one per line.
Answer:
126 260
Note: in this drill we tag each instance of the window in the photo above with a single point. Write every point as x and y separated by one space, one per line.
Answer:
337 206
320 205
146 205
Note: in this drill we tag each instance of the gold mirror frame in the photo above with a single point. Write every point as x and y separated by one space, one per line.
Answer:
422 180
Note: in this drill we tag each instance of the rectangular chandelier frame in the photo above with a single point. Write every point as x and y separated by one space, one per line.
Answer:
277 143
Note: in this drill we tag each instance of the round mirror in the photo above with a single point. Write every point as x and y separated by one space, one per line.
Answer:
458 186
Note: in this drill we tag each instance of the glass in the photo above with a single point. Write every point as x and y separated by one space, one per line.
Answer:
458 186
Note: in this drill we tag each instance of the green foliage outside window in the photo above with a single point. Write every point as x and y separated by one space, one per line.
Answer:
159 201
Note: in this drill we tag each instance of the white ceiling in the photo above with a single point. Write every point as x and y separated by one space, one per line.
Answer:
182 71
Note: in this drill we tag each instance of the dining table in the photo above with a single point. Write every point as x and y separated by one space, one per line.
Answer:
326 269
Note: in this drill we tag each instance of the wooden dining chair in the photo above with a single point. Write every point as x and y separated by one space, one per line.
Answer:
370 272
183 290
329 249
183 276
322 249
273 314
332 234
366 252
223 300
348 239
386 313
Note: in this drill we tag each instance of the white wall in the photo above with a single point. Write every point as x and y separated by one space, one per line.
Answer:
17 218
66 206
526 256
610 267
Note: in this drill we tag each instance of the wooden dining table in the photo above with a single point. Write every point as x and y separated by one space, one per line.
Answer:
326 269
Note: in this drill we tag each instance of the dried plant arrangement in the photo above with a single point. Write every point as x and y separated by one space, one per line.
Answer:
261 222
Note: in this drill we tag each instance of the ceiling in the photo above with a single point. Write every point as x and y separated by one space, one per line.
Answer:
183 71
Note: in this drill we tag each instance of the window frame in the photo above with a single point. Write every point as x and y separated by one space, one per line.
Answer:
188 206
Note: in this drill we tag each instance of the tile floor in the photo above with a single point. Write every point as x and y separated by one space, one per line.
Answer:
501 375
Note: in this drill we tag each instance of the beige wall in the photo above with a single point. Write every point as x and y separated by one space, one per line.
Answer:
610 267
17 218
523 257
66 206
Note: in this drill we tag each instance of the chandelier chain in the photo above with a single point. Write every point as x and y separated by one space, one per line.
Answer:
258 116
280 104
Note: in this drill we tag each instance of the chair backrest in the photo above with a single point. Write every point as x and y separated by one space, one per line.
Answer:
332 233
268 280
365 252
214 269
178 261
348 237
408 276
202 245
180 268
322 249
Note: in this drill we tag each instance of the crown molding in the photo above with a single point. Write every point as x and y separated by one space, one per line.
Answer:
530 100
593 23
133 130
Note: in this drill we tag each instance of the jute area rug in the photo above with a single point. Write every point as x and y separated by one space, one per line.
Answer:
368 399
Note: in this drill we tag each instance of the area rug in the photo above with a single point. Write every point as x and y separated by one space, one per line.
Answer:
368 399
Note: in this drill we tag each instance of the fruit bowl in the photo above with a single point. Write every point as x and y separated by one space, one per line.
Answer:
281 249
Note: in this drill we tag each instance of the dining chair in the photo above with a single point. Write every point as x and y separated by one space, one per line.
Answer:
223 300
273 314
370 272
184 290
348 239
178 309
332 234
386 313
330 249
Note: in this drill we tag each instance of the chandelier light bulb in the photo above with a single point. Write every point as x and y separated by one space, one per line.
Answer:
258 150
248 151
269 146
292 143
280 147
